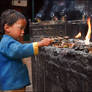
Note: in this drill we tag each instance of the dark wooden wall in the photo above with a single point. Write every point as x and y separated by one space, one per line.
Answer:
27 11
4 4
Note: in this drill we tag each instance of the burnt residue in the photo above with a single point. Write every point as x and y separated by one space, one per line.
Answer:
66 67
76 44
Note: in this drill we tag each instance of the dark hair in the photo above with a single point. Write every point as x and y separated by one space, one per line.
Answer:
9 17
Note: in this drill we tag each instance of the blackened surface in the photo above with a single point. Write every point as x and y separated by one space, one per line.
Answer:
62 70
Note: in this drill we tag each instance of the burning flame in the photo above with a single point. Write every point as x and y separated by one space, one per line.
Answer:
88 36
78 35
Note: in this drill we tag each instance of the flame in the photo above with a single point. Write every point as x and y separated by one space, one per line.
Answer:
78 35
88 36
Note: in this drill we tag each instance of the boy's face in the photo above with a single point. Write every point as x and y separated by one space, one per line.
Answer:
17 29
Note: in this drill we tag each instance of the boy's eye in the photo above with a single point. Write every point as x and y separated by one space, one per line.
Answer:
21 28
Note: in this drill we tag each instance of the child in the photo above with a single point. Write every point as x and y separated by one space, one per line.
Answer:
13 73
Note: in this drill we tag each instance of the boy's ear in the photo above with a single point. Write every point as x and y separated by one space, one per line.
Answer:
6 28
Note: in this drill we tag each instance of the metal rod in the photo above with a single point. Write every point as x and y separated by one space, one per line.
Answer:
32 10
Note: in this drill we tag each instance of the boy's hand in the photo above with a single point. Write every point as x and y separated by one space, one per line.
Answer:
44 42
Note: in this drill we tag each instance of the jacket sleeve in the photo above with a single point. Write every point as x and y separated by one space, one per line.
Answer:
16 50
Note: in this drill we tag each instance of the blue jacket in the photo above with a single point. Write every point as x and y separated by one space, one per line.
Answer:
13 73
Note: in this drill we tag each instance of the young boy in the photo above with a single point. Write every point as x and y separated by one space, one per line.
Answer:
13 73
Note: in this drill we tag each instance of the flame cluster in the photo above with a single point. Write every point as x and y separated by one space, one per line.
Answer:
88 36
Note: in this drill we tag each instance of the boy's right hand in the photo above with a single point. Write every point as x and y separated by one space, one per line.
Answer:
44 42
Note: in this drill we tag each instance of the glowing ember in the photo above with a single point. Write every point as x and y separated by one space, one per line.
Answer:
78 35
88 36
